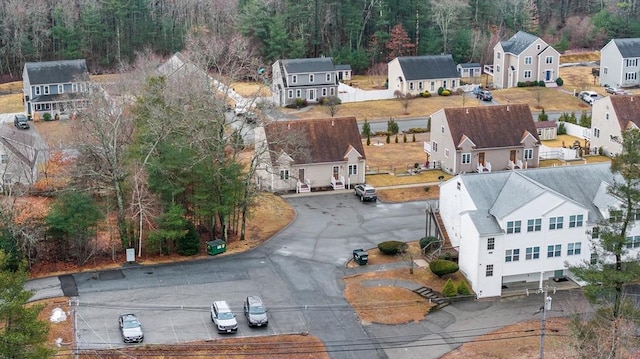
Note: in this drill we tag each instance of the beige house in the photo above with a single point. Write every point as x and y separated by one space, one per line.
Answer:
416 74
302 155
522 58
483 139
610 116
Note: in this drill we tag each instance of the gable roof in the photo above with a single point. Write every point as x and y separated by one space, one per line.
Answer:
491 126
500 193
56 72
628 47
428 67
518 42
627 109
469 65
318 64
320 140
343 67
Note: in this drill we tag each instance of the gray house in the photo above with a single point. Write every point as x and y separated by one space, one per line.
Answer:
522 58
306 79
619 63
415 74
483 139
55 87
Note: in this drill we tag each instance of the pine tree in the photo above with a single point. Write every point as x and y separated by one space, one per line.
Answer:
449 289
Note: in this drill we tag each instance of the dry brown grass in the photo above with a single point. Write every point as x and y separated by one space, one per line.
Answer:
62 330
399 156
579 78
251 89
584 56
519 341
551 99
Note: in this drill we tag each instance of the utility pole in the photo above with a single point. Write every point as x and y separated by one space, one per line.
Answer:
546 306
73 303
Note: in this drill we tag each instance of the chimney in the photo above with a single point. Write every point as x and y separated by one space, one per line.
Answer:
332 123
467 111
507 108
288 126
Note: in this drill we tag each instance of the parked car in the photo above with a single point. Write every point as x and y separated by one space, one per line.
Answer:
130 328
588 96
255 311
365 192
615 91
485 95
21 121
223 318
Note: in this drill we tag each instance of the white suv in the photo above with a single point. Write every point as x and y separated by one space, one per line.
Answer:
223 318
589 96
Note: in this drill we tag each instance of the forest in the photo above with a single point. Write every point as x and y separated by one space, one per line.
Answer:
109 33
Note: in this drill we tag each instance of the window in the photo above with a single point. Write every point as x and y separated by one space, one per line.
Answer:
527 61
595 232
593 259
4 158
497 68
324 91
606 116
631 62
615 216
596 132
284 174
444 83
635 214
60 88
633 242
554 251
453 83
605 70
332 91
498 55
311 78
298 93
575 221
555 222
534 225
513 226
442 129
74 87
37 88
532 253
411 86
538 47
466 158
328 77
489 271
548 60
353 170
294 79
420 86
290 94
527 74
434 145
528 153
512 255
491 244
446 152
630 76
46 90
574 248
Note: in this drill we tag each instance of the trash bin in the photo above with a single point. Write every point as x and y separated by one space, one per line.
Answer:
216 247
360 256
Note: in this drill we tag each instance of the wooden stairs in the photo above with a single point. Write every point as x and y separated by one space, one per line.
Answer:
446 243
433 297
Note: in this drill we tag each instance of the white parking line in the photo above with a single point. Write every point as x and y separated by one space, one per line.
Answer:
206 324
173 328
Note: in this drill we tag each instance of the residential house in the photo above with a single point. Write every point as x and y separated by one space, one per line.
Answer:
610 116
344 72
310 80
483 138
55 87
619 63
179 68
302 155
470 69
415 74
526 226
524 57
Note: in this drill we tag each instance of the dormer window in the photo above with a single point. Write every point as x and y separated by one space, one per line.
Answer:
329 77
311 78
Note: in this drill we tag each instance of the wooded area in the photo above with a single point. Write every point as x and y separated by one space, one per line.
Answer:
109 33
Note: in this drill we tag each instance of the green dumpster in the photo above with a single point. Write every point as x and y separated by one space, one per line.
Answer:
360 256
216 247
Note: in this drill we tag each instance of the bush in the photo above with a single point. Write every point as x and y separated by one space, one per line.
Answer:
440 89
562 129
388 137
543 116
425 241
445 93
46 116
559 81
391 248
541 84
449 289
425 94
463 289
190 244
414 137
396 138
520 84
442 267
404 137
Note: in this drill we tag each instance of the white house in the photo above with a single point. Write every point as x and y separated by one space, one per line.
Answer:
619 63
610 116
308 80
523 226
415 74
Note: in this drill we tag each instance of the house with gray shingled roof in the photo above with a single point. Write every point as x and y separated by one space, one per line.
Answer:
310 80
620 63
522 58
610 116
483 139
416 74
55 87
517 227
304 155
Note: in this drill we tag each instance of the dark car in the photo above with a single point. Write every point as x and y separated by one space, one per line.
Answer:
131 328
255 312
20 121
485 95
365 192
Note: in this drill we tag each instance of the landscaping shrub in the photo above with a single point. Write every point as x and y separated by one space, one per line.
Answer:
520 84
388 137
369 140
391 248
449 289
404 137
442 267
46 116
559 81
414 137
425 94
424 241
463 289
418 130
541 84
543 116
445 93
440 89
562 129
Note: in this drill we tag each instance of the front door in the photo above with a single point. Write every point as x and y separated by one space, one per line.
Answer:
312 95
547 75
481 158
336 172
512 156
301 175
